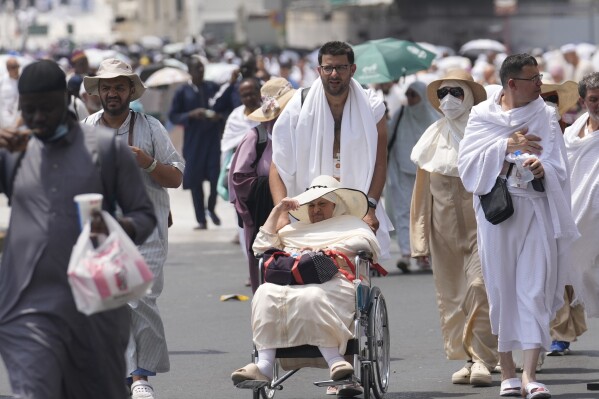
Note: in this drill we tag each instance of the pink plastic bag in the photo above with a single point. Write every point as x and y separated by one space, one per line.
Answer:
109 276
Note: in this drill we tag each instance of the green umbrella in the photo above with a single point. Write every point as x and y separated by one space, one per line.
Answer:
385 60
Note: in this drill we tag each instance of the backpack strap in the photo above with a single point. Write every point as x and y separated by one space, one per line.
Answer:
304 93
333 254
260 143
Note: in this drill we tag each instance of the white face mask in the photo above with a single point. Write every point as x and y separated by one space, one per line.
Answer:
451 107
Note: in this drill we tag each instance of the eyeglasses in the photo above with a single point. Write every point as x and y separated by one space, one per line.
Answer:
535 79
454 91
12 67
328 69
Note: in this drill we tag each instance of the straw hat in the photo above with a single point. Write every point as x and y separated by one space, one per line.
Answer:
567 94
355 201
478 91
113 68
276 93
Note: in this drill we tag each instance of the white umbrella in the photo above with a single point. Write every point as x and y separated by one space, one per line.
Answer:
173 48
95 56
151 42
167 76
175 63
219 72
453 62
482 45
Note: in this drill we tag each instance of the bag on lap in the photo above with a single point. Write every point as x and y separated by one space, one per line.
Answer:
309 268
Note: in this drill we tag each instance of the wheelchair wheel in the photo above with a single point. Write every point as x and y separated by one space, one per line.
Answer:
378 343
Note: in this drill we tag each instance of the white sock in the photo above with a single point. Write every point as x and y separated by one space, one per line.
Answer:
266 361
331 355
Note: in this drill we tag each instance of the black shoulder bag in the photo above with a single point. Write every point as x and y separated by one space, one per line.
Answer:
497 203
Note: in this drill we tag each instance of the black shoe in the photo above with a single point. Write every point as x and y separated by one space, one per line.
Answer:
214 218
403 264
200 226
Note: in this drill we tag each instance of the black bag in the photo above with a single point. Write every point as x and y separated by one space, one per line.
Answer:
310 268
497 203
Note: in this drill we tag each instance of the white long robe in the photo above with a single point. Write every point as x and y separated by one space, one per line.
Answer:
583 156
524 258
310 314
303 144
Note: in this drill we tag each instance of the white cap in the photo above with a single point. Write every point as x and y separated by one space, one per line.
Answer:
568 48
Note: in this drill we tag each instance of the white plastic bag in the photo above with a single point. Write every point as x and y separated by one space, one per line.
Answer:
109 276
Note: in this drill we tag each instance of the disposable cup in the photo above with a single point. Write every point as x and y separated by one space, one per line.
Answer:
86 203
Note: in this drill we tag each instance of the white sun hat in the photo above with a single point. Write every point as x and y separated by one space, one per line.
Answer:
355 201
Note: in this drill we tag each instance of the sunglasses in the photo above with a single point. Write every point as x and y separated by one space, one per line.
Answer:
454 91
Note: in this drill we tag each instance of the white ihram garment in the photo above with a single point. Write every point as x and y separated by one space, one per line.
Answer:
524 258
583 155
303 144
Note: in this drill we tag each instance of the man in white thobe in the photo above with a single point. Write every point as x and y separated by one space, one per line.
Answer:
582 146
524 258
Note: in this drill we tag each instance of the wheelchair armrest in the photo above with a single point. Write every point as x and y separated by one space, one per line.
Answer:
364 255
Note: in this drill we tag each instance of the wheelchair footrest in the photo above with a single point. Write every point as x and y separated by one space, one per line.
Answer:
333 383
252 384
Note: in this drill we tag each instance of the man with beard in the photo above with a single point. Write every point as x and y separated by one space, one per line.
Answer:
117 85
337 129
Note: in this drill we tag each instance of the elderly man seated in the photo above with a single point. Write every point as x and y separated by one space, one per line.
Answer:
329 217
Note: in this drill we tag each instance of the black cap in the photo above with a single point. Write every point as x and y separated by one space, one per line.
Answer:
42 76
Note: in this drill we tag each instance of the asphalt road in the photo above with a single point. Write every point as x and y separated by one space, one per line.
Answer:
209 338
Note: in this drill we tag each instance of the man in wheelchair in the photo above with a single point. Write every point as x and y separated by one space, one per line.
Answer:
283 316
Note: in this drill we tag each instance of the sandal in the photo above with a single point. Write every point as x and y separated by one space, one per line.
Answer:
536 390
340 370
350 390
141 389
332 390
250 372
511 387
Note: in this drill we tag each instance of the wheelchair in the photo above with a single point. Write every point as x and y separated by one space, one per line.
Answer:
368 349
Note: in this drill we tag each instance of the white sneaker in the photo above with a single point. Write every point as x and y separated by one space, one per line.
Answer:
141 389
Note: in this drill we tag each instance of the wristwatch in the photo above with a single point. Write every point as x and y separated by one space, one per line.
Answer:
152 166
372 203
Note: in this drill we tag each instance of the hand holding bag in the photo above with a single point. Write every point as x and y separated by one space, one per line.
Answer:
109 276
497 204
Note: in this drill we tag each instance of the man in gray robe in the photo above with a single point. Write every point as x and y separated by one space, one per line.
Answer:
50 349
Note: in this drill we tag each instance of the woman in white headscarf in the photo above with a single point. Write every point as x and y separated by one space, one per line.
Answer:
405 129
443 226
283 316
